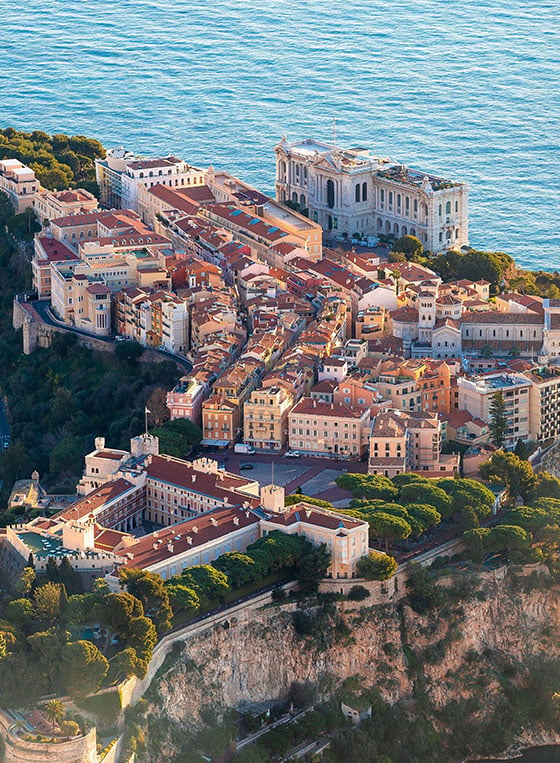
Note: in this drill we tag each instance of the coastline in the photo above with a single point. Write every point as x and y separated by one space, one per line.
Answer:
526 742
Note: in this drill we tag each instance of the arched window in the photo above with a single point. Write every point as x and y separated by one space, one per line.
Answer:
364 191
282 170
416 205
379 223
330 194
329 218
399 199
302 201
357 192
294 198
396 229
141 174
151 174
448 208
404 233
390 198
382 197
387 226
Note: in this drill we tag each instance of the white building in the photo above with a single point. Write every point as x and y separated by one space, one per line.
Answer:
476 395
19 182
348 191
121 173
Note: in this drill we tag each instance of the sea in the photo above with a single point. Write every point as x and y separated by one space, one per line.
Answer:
469 89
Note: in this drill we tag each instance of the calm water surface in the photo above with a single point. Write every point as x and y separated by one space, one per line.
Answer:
467 88
537 755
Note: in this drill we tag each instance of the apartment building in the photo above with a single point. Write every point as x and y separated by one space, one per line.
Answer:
349 191
229 189
544 403
476 395
408 441
80 301
221 421
153 318
47 251
265 418
50 205
185 400
19 182
320 428
120 174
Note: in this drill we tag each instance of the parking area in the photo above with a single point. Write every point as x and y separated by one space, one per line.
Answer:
284 473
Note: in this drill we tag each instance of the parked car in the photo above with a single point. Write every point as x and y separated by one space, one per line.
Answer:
292 454
246 465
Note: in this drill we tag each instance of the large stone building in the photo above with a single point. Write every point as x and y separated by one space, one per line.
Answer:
348 191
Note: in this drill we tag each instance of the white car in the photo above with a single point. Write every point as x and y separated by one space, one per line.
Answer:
292 454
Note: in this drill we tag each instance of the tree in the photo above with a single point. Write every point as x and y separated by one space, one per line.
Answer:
46 603
427 493
422 517
545 486
208 582
376 566
181 596
69 578
471 500
142 637
368 486
157 405
388 528
84 667
239 568
24 584
128 351
69 729
54 712
511 471
149 588
312 568
177 437
19 612
51 570
116 611
300 498
126 663
410 246
498 420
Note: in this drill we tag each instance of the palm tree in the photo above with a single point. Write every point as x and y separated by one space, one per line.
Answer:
54 712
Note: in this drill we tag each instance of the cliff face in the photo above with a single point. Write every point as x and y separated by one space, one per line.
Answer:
457 653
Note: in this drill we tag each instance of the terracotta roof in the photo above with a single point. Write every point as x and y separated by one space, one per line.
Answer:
306 513
110 491
222 485
309 407
494 316
56 251
188 535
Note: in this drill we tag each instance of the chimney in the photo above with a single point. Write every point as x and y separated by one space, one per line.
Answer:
189 540
194 529
193 478
170 547
236 521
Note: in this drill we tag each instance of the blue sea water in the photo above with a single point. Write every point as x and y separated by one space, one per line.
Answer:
466 88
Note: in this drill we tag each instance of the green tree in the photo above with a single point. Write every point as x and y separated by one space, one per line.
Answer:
427 493
239 568
19 612
410 246
69 729
312 568
129 351
142 636
376 566
181 596
208 582
300 498
368 486
388 528
46 603
149 588
498 425
54 712
26 580
511 471
84 667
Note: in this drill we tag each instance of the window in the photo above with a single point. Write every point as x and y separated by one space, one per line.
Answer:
357 192
448 208
364 191
330 194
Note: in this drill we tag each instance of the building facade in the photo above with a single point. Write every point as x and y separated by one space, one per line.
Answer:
348 191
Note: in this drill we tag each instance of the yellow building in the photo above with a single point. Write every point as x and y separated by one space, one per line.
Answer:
321 428
265 419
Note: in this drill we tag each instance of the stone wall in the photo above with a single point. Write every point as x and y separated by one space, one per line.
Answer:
81 749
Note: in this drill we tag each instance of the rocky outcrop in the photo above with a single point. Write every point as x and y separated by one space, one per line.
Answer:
455 652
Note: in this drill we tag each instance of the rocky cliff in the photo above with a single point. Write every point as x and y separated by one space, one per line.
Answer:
466 659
